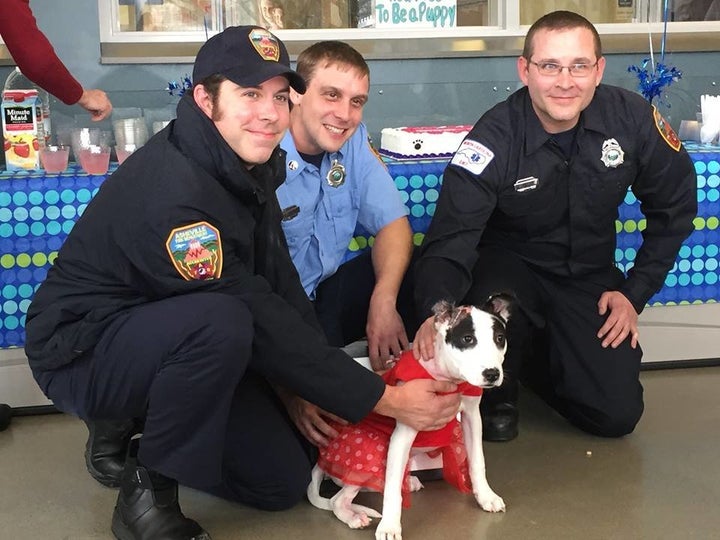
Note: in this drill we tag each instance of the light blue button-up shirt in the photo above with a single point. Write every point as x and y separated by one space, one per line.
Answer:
319 235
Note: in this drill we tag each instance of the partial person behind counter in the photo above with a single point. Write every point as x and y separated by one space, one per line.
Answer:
529 203
36 58
335 181
174 302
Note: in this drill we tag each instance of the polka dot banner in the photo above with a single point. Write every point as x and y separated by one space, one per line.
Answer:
37 211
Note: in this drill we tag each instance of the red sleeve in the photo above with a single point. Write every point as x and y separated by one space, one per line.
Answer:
33 53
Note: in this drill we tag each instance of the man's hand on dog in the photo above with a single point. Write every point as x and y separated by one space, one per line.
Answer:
420 403
621 322
385 332
424 342
312 421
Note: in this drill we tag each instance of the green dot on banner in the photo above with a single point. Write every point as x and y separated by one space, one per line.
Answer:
52 256
7 261
699 223
712 223
39 259
418 238
353 245
23 260
361 241
630 226
618 227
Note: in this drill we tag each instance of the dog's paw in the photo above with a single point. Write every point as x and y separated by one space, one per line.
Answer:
490 501
388 529
415 484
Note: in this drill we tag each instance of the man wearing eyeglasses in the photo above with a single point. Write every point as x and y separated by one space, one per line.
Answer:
529 205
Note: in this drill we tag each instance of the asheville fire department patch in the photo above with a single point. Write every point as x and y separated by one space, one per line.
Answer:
265 44
196 251
666 131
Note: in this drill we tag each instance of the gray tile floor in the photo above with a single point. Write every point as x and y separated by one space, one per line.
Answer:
661 482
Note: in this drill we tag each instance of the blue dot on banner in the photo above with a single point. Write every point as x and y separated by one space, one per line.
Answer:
11 322
38 244
417 196
416 181
6 246
684 252
84 195
52 197
700 167
6 230
52 212
404 197
431 195
711 278
418 210
5 199
712 250
20 198
713 181
10 307
9 291
68 212
698 279
698 265
670 280
35 198
619 254
701 182
431 209
37 228
37 213
684 265
698 251
24 275
684 280
20 214
40 274
24 305
713 167
630 198
22 245
54 243
67 196
53 228
25 290
22 229
701 196
431 180
713 195
630 254
711 265
67 226
401 182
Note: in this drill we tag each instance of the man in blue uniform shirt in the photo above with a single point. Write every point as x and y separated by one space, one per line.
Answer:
529 203
335 181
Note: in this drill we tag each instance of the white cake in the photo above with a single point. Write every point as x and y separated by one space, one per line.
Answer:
421 142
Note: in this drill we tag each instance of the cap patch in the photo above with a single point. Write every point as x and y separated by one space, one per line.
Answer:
265 44
196 251
666 131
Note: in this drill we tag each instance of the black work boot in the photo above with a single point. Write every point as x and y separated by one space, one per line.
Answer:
147 506
106 449
499 412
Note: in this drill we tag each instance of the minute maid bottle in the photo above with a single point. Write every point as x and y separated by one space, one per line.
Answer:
23 121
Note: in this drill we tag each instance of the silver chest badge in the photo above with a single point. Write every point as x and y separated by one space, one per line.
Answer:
292 165
612 154
336 175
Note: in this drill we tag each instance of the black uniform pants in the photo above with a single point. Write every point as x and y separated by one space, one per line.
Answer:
183 364
342 301
553 345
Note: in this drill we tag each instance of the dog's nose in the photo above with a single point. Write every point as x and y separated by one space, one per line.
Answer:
491 374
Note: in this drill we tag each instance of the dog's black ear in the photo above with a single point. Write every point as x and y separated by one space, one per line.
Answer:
499 304
443 311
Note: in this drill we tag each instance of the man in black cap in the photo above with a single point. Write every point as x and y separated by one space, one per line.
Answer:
174 301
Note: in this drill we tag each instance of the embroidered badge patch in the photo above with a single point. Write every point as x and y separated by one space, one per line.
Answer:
666 131
265 44
196 251
472 156
612 155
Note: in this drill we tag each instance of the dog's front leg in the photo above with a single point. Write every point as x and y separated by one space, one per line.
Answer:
472 433
401 441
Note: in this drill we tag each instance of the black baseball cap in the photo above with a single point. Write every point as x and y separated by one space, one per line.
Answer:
246 55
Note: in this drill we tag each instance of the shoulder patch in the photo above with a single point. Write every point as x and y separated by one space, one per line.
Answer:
196 251
472 156
666 131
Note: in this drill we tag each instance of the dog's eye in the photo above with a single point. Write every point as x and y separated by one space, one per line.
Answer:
469 339
500 339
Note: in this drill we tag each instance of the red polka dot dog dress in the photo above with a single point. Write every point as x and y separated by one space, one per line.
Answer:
358 456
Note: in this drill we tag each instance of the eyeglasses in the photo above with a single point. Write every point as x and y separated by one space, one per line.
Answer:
551 69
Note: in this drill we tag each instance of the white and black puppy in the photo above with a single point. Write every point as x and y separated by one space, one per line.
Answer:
469 350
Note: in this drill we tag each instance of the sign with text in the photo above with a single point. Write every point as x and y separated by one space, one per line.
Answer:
414 13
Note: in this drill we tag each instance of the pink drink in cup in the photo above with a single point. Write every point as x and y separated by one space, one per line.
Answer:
54 159
123 151
95 159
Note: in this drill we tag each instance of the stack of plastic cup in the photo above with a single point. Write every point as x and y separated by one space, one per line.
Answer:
130 134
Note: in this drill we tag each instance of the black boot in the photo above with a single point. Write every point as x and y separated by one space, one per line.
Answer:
499 412
106 448
147 506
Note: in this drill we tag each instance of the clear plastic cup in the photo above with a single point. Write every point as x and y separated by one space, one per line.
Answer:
94 159
122 151
54 159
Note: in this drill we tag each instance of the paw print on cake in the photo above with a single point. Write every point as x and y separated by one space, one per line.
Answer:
417 144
